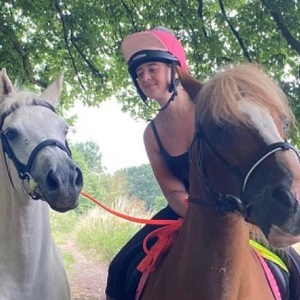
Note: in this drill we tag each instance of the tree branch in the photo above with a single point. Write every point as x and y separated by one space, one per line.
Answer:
190 26
200 14
65 36
7 31
130 14
294 43
235 32
94 70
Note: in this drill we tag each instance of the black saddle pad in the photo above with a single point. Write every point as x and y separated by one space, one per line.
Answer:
282 279
288 284
294 268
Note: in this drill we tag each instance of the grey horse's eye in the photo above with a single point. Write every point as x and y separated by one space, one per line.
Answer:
11 134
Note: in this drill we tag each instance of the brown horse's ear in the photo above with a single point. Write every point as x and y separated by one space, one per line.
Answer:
189 83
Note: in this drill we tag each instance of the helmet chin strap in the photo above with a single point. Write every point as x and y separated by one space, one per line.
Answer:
169 101
172 87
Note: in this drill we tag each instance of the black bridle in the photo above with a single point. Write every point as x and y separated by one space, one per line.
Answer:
22 169
227 202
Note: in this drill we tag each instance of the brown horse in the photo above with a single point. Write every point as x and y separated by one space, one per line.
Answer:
242 171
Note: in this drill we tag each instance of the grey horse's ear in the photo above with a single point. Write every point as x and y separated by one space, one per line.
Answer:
6 86
53 91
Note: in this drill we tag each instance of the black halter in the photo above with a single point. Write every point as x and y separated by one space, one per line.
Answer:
24 170
231 203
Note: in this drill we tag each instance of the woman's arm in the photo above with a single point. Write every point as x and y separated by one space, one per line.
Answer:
172 188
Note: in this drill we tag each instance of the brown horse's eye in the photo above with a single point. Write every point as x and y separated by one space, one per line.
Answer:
222 132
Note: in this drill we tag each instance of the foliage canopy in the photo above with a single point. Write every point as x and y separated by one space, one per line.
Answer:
39 38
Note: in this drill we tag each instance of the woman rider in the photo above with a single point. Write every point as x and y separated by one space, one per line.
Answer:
157 64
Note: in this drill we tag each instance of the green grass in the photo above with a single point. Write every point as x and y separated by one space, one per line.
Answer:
103 237
68 260
63 225
97 233
102 234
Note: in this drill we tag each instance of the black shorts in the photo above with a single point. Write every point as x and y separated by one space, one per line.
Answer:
123 270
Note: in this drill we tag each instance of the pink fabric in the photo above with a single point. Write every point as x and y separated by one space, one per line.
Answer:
173 46
141 285
270 277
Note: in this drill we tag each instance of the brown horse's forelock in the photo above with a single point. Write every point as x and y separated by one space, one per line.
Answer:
219 96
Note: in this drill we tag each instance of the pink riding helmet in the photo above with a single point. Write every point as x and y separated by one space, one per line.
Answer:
158 44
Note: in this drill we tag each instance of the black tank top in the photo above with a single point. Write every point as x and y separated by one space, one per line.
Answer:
178 165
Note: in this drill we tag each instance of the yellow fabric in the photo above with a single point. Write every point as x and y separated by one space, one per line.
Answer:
266 253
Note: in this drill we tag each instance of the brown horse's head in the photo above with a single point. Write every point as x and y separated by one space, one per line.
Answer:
243 159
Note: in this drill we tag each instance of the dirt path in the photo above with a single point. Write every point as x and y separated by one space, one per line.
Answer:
87 278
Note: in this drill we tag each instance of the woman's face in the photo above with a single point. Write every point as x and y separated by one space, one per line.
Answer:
153 79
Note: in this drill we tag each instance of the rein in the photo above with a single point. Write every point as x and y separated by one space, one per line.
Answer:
22 169
127 217
228 202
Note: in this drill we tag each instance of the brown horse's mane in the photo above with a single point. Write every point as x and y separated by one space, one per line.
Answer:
219 95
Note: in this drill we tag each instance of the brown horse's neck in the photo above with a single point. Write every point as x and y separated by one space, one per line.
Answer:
225 233
219 245
210 260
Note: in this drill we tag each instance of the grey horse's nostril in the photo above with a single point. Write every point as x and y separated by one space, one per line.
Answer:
52 181
79 179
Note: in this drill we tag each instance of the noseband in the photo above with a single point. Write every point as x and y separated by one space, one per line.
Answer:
231 203
22 169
